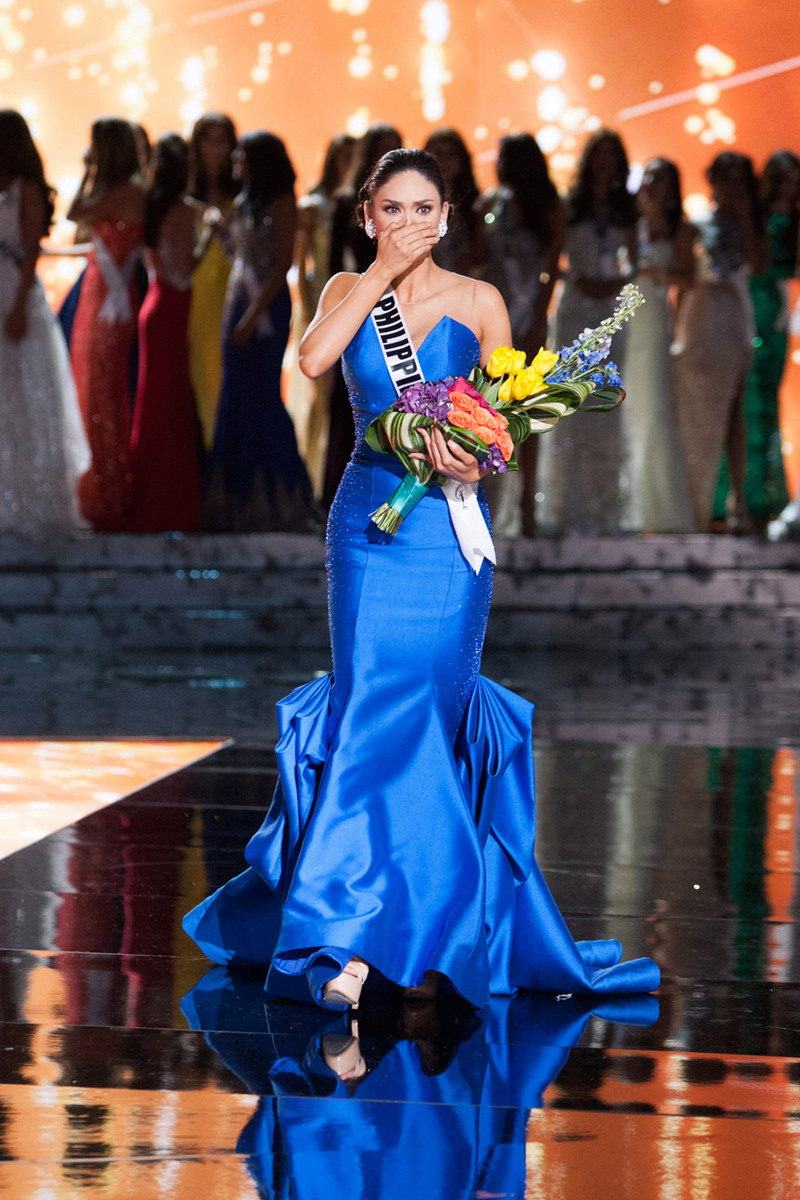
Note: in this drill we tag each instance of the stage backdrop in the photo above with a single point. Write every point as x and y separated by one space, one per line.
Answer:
679 77
685 78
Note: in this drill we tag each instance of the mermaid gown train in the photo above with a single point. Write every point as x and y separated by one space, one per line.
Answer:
402 826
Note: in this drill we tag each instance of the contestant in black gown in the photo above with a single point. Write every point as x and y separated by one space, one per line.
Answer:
399 843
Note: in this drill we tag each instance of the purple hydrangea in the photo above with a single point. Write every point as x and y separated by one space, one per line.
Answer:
428 399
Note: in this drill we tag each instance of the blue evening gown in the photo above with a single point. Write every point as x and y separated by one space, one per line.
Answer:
402 826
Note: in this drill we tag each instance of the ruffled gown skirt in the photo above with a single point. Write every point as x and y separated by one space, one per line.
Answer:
402 825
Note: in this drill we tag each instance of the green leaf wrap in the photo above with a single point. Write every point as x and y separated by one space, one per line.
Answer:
398 433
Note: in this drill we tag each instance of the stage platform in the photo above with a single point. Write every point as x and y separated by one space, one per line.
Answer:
667 743
677 639
228 592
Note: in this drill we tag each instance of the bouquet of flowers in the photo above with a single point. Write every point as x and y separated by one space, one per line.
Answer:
498 407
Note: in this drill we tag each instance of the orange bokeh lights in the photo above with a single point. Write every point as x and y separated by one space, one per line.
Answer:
686 78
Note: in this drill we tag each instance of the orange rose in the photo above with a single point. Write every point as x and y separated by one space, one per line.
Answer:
457 416
482 419
505 445
468 413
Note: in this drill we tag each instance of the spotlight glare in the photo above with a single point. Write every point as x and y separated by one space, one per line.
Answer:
74 15
549 64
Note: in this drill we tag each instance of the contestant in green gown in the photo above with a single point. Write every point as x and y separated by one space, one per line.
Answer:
765 484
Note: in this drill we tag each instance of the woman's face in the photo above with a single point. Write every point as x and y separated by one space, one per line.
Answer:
603 165
143 150
386 143
344 160
653 190
730 185
789 190
214 149
447 157
406 198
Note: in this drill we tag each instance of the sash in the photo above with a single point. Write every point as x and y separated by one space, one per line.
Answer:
402 363
116 307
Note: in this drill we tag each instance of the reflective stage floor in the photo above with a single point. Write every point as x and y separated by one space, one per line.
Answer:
668 816
130 1068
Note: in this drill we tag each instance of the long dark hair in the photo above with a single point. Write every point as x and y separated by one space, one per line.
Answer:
330 181
673 201
463 192
395 163
622 205
731 160
21 160
269 171
115 152
366 154
522 168
198 177
776 168
170 167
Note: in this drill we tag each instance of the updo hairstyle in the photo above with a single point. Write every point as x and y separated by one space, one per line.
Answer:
396 162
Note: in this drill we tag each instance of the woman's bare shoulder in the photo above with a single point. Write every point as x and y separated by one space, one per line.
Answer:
486 297
340 285
474 291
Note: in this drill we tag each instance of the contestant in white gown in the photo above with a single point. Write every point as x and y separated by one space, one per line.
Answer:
43 447
665 260
584 463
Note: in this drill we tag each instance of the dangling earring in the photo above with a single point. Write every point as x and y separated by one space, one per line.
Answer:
442 227
369 229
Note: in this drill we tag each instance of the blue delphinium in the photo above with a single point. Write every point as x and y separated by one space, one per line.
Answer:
583 359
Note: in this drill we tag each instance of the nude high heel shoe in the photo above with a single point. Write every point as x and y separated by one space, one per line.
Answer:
342 1054
346 987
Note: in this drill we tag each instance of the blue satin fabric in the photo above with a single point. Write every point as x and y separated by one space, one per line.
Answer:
402 827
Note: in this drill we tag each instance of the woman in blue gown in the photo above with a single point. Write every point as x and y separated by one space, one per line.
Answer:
399 843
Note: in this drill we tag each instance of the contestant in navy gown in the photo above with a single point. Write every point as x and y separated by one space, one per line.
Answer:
256 479
399 842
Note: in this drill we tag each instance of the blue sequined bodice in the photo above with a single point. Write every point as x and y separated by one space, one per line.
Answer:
449 349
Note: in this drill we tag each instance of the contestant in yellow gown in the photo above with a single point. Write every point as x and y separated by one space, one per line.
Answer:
212 182
210 281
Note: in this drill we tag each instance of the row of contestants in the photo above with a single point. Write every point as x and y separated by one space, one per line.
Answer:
702 361
208 442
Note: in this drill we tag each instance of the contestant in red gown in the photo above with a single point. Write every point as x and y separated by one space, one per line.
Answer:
111 200
164 441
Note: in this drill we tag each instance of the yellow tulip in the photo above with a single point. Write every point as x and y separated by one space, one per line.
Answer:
545 361
526 383
499 362
504 393
517 361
